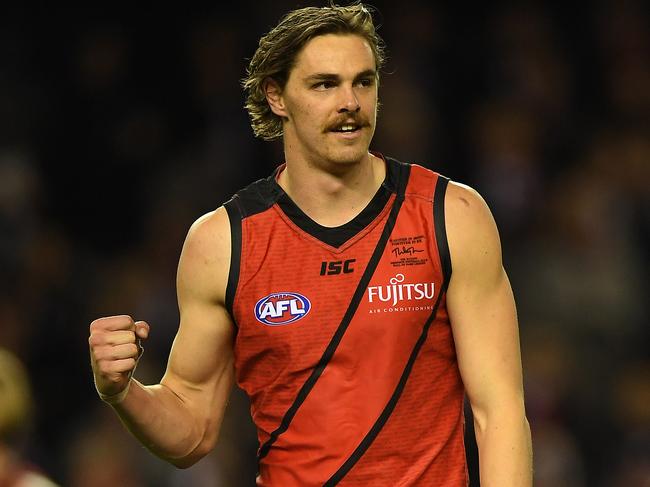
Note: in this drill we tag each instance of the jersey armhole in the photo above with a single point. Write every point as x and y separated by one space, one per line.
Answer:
235 217
440 228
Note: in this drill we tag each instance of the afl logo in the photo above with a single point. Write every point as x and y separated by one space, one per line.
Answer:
281 308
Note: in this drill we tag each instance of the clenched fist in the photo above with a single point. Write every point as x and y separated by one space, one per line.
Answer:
114 352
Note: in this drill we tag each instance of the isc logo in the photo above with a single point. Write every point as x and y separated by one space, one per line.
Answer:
281 308
336 267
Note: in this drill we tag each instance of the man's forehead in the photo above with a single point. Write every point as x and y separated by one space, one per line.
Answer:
332 53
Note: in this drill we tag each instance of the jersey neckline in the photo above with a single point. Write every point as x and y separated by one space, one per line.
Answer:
337 236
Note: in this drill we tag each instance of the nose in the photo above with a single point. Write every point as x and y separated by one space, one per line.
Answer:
349 101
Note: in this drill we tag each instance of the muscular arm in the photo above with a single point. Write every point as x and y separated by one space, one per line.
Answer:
179 419
484 322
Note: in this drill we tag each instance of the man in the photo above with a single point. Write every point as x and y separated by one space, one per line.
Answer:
16 407
327 292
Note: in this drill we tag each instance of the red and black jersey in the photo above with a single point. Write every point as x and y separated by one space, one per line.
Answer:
343 341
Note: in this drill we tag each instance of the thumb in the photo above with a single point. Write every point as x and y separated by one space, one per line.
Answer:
142 329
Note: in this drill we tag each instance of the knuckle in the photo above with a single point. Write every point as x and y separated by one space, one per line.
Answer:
99 324
126 319
102 356
94 340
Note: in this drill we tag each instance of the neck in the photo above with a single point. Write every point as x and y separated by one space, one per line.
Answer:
332 196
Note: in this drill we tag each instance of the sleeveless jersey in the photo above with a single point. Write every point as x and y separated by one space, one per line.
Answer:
343 342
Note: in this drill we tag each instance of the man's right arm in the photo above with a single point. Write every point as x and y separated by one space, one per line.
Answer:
178 419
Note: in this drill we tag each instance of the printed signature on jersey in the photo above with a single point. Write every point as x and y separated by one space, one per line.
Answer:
405 250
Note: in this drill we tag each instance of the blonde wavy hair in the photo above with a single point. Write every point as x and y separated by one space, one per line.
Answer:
277 51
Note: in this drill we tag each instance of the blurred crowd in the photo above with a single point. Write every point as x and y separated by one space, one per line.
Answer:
118 128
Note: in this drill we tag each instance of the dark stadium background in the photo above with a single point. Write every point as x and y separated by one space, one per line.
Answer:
120 126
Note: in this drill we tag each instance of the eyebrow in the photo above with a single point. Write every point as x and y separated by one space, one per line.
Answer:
335 77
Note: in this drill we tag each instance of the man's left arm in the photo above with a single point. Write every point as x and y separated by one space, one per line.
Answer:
484 321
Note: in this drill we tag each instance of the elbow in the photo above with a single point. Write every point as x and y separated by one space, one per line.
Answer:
204 447
183 463
511 414
199 437
188 460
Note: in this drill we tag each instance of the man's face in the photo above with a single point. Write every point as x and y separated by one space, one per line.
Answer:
330 101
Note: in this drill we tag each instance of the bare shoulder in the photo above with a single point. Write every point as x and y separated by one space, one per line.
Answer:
205 259
471 230
464 202
210 233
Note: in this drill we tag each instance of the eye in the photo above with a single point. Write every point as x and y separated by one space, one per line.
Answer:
366 82
324 85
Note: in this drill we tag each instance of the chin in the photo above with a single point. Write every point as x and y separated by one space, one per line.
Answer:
348 156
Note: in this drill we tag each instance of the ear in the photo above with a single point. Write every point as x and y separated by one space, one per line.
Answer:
274 97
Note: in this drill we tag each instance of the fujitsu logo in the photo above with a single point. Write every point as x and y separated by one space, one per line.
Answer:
398 290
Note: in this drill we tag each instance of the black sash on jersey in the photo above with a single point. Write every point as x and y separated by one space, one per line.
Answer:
443 250
306 388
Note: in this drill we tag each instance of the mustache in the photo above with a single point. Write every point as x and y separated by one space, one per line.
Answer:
349 118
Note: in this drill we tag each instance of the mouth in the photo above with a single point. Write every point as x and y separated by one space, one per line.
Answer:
349 129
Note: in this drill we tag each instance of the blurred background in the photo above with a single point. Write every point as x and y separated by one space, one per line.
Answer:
119 127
